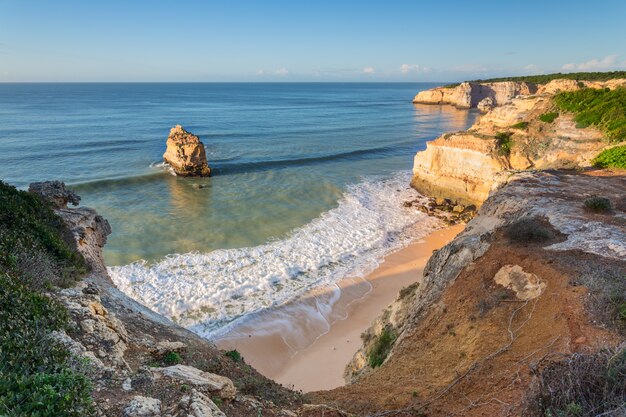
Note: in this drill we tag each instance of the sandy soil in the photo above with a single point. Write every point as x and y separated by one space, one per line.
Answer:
306 345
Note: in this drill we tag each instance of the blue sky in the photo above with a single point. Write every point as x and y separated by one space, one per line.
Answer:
306 41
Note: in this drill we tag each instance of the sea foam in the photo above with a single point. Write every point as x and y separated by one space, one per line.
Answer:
210 292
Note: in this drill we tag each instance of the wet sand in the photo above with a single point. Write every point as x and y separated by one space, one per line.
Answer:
306 345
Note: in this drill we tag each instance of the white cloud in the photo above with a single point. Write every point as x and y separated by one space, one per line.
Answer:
406 68
260 72
282 71
608 62
369 70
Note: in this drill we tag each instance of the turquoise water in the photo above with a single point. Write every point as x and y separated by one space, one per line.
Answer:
309 180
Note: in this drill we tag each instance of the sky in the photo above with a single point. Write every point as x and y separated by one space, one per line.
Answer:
269 41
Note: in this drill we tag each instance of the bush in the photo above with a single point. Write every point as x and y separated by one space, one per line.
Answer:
504 143
548 117
38 376
520 125
234 355
611 158
381 348
172 358
598 204
583 385
603 108
528 229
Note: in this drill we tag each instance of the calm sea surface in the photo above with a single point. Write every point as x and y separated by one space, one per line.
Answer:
309 180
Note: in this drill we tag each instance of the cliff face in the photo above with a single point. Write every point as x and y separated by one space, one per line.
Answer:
468 95
467 165
526 283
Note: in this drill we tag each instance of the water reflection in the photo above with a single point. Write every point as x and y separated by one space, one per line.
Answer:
455 119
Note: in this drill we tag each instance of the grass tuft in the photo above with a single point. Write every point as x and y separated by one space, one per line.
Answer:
548 117
598 204
381 348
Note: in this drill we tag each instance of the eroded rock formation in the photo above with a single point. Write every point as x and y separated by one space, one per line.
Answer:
185 153
465 166
468 95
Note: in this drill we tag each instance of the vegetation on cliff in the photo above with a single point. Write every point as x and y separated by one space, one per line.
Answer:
611 158
546 78
38 376
605 109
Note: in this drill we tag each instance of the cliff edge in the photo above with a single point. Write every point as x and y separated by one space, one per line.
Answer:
525 132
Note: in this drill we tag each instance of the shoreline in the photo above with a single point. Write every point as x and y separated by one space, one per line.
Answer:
306 345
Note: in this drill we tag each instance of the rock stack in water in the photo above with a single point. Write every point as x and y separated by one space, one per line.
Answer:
185 154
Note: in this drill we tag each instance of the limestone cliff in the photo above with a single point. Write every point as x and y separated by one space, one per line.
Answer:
485 96
468 94
467 165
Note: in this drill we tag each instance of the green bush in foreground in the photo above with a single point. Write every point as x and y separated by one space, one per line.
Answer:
504 143
381 348
548 117
38 376
611 158
605 109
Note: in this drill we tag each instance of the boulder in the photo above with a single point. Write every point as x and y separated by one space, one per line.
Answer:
185 154
143 407
55 193
485 105
223 386
198 405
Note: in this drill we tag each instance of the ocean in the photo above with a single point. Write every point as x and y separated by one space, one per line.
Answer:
309 181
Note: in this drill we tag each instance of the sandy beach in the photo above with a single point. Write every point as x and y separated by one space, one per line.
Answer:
305 344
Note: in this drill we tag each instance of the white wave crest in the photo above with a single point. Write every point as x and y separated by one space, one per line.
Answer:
207 291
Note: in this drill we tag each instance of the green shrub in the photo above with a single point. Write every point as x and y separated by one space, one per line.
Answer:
520 125
504 143
381 347
38 376
603 108
31 240
598 204
548 117
234 355
172 358
611 158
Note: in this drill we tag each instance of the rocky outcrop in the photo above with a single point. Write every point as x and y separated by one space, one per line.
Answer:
466 166
469 94
55 193
217 384
185 154
88 230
